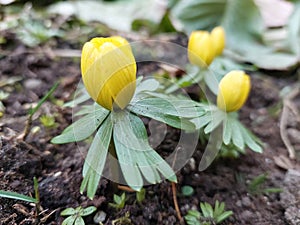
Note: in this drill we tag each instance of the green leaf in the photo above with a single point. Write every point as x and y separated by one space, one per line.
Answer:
79 221
191 220
257 181
165 25
82 128
272 190
251 141
217 116
171 111
219 208
46 96
96 158
119 201
134 153
199 14
194 213
140 195
207 210
87 211
117 15
16 196
211 81
147 85
227 130
222 65
237 136
70 220
224 216
68 211
86 109
126 143
81 95
171 106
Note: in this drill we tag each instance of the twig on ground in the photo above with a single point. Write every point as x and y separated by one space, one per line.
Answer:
175 202
125 188
288 107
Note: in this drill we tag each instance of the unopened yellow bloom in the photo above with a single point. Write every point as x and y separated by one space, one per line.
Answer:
234 89
108 71
218 39
203 46
200 48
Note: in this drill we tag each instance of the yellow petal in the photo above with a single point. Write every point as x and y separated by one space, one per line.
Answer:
200 48
218 39
109 71
234 89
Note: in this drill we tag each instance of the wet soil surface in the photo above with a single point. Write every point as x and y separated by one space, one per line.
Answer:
58 167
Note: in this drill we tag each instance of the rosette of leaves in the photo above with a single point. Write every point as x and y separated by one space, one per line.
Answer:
114 118
233 91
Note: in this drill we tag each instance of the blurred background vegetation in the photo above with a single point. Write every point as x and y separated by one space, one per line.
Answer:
264 33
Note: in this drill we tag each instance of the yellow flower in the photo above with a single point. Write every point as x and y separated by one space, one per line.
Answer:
234 89
108 71
203 46
218 39
200 48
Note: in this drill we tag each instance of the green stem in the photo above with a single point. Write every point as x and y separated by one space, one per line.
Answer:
114 169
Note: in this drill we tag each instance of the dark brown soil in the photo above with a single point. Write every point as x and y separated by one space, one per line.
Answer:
58 167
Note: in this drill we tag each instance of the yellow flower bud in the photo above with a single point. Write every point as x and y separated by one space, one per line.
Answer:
108 71
234 89
200 48
218 39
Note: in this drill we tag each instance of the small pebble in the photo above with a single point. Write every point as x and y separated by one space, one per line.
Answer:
32 84
99 217
192 164
246 201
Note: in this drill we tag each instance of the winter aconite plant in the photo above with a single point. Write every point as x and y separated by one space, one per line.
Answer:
232 94
203 48
108 69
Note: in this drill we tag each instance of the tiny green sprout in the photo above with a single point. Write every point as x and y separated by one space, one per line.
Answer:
208 215
119 201
255 187
48 121
230 151
187 190
17 196
75 215
140 195
32 111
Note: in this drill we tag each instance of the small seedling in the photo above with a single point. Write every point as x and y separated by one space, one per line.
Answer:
119 201
140 195
208 214
32 111
17 196
255 187
75 215
48 121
